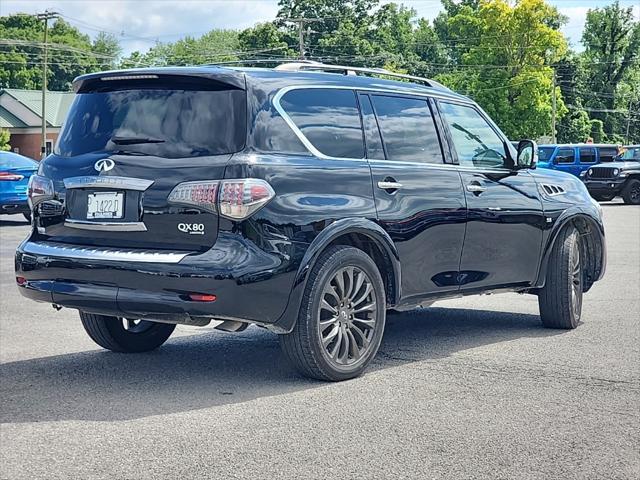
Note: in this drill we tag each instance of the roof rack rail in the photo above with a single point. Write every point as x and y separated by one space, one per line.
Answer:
310 65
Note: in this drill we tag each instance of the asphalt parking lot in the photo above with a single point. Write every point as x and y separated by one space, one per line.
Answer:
469 388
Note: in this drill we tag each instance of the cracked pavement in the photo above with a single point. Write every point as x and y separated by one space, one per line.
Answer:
469 388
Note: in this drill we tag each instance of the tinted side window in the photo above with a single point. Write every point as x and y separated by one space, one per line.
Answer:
328 118
371 131
565 155
476 143
587 155
408 130
608 154
544 153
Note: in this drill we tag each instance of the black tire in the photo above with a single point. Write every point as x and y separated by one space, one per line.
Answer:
560 300
110 333
27 216
631 192
603 198
304 346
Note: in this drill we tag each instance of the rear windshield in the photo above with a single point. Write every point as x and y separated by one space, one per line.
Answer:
165 123
544 153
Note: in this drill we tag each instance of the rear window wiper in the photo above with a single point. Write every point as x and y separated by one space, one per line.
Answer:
135 140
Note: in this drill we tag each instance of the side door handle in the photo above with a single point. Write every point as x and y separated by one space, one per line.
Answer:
475 187
389 185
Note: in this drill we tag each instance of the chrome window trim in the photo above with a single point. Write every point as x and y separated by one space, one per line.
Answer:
106 226
313 150
101 253
124 183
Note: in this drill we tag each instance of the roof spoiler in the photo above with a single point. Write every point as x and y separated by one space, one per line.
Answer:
214 78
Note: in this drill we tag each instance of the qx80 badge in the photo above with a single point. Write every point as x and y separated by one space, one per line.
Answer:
191 228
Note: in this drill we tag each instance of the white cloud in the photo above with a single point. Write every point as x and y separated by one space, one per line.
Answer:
138 24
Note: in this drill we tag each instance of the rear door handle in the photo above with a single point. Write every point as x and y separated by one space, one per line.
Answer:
475 188
389 185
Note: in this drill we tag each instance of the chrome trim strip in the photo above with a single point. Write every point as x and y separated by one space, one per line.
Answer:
106 226
102 253
125 183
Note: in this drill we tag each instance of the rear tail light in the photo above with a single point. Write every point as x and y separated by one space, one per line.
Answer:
39 189
197 194
10 177
202 297
235 199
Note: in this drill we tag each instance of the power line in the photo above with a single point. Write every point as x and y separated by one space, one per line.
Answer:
301 22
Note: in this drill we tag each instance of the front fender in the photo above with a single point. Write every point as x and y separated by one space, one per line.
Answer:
588 220
339 228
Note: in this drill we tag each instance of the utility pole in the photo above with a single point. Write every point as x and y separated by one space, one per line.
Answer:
301 23
553 112
629 121
46 16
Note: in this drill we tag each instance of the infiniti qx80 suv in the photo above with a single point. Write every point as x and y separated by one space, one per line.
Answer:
308 199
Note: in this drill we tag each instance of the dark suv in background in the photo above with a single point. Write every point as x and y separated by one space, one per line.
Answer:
621 177
308 199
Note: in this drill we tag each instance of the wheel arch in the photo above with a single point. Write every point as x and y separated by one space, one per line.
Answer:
593 245
360 233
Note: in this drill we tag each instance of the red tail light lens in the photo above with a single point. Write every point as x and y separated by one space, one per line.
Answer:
197 194
241 198
202 297
10 177
236 199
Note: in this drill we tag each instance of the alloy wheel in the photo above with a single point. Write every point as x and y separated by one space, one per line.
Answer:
135 325
347 316
576 282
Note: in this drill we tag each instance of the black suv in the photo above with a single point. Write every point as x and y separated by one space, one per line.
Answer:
621 177
308 199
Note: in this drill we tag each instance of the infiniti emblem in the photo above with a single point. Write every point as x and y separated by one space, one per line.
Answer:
104 165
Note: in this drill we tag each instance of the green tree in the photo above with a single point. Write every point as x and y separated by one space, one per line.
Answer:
597 131
5 137
265 38
508 68
216 46
329 13
19 57
107 47
611 39
71 53
575 127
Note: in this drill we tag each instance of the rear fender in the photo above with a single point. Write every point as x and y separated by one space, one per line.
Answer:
336 232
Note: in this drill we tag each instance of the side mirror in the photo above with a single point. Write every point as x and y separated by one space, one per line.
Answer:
527 154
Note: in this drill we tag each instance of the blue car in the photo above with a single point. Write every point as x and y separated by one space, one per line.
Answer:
575 158
15 171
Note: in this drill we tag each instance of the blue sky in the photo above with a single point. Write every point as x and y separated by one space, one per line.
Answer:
140 23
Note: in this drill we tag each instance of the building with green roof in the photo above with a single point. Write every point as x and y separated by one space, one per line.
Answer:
21 114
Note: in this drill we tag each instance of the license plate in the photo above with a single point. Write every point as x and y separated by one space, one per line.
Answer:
105 205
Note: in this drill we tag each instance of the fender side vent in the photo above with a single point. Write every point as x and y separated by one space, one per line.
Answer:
553 190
